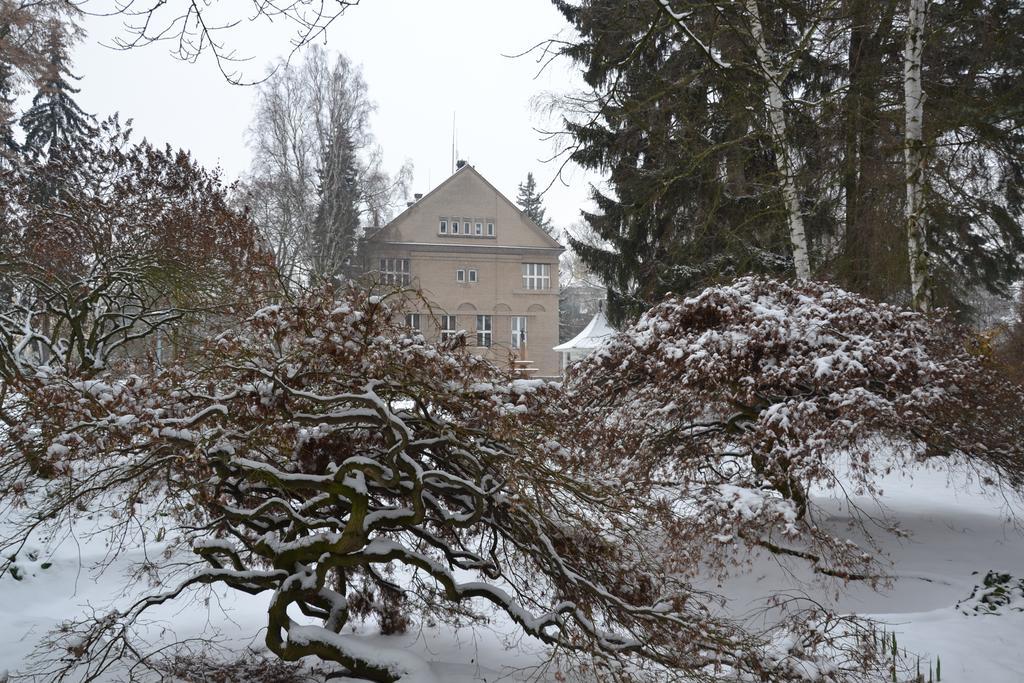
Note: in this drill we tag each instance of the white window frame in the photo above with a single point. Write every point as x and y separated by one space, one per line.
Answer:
412 321
479 229
395 271
460 275
449 326
483 330
519 331
442 227
472 276
536 276
455 226
490 228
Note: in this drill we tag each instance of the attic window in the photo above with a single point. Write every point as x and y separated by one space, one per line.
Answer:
443 226
455 226
479 228
490 229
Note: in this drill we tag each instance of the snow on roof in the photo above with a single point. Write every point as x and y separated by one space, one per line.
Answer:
592 336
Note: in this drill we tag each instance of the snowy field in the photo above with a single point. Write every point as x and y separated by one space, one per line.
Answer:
956 535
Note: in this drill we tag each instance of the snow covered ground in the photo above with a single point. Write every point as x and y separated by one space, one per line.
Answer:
957 535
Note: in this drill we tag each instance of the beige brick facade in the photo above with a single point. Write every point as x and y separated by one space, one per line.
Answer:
494 274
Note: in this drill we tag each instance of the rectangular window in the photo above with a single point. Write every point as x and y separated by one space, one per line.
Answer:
479 229
536 276
455 226
412 321
443 226
518 331
394 271
472 276
449 326
490 229
460 275
483 330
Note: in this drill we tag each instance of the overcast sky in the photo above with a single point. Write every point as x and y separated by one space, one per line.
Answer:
423 61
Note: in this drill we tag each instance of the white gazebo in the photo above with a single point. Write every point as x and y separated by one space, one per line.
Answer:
583 344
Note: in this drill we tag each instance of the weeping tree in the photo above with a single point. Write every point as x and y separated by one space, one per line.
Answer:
140 242
322 457
325 457
749 396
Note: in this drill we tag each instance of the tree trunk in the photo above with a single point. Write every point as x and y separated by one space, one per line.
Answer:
914 156
783 155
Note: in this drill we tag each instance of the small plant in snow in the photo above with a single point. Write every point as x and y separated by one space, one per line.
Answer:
997 593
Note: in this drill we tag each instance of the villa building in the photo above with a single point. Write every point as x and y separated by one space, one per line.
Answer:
482 265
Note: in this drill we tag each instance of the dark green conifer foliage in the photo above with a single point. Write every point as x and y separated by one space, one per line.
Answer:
336 226
691 198
55 124
677 126
9 147
532 204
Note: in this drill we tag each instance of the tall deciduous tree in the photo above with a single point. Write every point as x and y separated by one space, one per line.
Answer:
301 110
913 92
532 203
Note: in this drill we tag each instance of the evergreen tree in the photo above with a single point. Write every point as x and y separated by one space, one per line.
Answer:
55 124
532 204
677 118
690 200
336 227
8 145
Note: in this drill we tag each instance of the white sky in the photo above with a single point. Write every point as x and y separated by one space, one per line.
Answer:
421 60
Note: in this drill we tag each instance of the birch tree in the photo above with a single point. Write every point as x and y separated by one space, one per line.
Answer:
914 155
303 111
773 76
681 115
783 154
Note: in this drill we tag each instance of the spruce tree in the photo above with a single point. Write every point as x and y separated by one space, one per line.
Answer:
336 227
688 203
532 204
9 147
55 126
676 120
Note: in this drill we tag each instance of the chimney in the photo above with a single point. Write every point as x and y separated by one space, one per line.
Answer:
409 204
460 163
418 196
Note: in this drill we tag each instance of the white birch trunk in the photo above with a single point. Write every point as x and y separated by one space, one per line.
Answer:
783 155
914 157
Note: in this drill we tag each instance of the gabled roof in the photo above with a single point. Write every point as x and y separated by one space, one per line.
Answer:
468 168
593 335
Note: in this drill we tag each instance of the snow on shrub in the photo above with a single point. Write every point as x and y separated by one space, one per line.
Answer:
748 395
322 456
